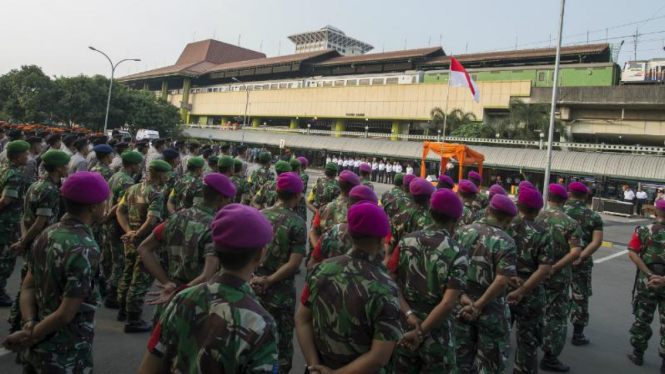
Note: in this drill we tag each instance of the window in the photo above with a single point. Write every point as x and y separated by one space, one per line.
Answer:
273 86
392 80
377 81
283 85
327 83
352 82
364 82
541 76
339 83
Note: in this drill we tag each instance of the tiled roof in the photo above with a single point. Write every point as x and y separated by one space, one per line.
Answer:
372 57
273 60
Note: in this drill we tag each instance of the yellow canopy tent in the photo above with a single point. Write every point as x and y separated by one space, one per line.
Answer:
463 154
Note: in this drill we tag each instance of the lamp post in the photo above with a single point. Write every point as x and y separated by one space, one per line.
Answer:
244 118
540 144
438 135
309 127
108 101
366 132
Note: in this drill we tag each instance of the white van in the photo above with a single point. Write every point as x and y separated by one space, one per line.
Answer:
147 134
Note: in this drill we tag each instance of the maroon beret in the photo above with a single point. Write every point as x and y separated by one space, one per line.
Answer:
289 182
447 180
531 198
85 187
465 186
578 187
503 204
303 161
497 190
367 219
473 175
366 167
349 177
363 193
220 183
238 227
407 179
660 205
525 184
420 186
447 203
559 190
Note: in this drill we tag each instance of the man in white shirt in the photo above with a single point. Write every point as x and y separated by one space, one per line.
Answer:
328 160
641 199
398 168
409 170
334 160
382 171
629 195
375 170
356 166
345 164
389 173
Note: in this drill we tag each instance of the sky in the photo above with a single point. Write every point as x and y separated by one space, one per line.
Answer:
55 34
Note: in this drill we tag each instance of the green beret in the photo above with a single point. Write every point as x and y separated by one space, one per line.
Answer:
55 157
331 166
213 160
18 146
282 167
196 162
399 178
237 162
132 157
160 166
265 157
226 162
295 164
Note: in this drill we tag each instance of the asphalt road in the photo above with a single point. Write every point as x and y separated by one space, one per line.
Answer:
611 317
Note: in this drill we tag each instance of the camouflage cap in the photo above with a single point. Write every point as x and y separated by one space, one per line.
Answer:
160 166
132 157
55 157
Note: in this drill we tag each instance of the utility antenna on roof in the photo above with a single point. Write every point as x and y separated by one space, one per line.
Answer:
429 42
279 48
441 40
467 48
239 36
261 46
405 44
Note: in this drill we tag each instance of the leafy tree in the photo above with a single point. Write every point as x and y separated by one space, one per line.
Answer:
526 121
458 119
474 130
26 95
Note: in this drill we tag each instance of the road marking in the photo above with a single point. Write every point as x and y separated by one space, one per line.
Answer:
608 244
607 258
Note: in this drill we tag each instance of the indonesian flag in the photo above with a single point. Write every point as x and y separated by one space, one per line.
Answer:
460 78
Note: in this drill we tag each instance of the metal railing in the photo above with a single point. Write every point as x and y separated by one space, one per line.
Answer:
488 141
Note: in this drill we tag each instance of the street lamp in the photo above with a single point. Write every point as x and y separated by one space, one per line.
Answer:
438 135
497 135
542 137
309 127
244 119
366 132
108 101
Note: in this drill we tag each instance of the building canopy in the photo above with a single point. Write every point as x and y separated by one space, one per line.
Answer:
463 154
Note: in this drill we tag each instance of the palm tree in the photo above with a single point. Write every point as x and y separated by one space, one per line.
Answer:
458 119
437 117
526 120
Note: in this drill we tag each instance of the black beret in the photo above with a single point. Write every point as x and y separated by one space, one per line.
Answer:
171 154
34 140
54 139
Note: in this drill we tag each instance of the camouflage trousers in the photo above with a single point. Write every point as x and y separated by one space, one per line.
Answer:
15 312
7 264
581 291
65 362
301 209
528 315
435 355
280 300
135 281
484 339
112 255
556 318
644 307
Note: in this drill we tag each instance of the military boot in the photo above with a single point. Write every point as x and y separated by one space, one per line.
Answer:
636 357
135 324
552 363
578 336
5 300
122 312
111 300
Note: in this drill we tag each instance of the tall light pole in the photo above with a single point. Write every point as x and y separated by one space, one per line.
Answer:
555 91
244 119
108 101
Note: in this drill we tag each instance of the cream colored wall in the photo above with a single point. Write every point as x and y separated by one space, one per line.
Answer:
412 102
652 128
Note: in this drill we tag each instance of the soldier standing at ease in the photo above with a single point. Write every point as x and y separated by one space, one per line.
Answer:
239 180
274 281
266 196
104 154
468 192
415 217
482 325
592 238
225 166
482 200
430 270
526 293
59 296
139 211
11 209
301 164
325 189
566 234
242 339
365 175
349 313
647 251
335 211
389 198
260 176
178 199
445 182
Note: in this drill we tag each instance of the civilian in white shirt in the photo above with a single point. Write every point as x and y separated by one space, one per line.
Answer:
328 160
389 173
375 170
398 168
409 170
334 160
641 199
629 195
382 171
345 164
340 163
356 166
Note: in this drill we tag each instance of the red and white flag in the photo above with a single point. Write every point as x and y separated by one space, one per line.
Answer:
460 78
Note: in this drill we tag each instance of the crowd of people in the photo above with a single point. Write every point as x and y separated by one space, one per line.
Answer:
429 277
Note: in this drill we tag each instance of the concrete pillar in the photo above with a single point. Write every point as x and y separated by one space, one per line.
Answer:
256 122
396 129
184 112
165 90
294 125
339 125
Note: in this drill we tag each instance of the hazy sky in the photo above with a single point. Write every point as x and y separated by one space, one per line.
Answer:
55 34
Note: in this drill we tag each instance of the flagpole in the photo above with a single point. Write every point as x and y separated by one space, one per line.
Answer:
548 167
445 115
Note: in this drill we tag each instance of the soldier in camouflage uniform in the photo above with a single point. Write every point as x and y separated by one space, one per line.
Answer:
240 335
335 211
41 209
260 176
416 216
212 165
78 161
239 180
482 200
483 325
274 279
11 209
526 294
647 251
325 189
349 308
365 175
225 166
139 211
104 157
446 182
113 252
172 157
179 196
60 287
430 270
565 233
298 165
267 194
468 192
389 198
592 231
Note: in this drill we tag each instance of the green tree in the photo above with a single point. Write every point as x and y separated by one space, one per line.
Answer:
474 130
526 121
27 95
458 119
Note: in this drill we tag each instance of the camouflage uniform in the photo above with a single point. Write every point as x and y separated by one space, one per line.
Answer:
290 236
104 170
428 263
259 177
77 163
333 213
98 229
185 189
113 252
468 215
64 260
242 336
482 201
352 304
565 233
323 192
646 300
242 190
366 182
389 200
266 196
301 209
589 221
11 185
334 242
534 248
414 218
492 253
141 201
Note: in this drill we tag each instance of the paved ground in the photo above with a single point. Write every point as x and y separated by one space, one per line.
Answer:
116 352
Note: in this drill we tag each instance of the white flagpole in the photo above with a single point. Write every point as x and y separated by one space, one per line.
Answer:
445 115
548 167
